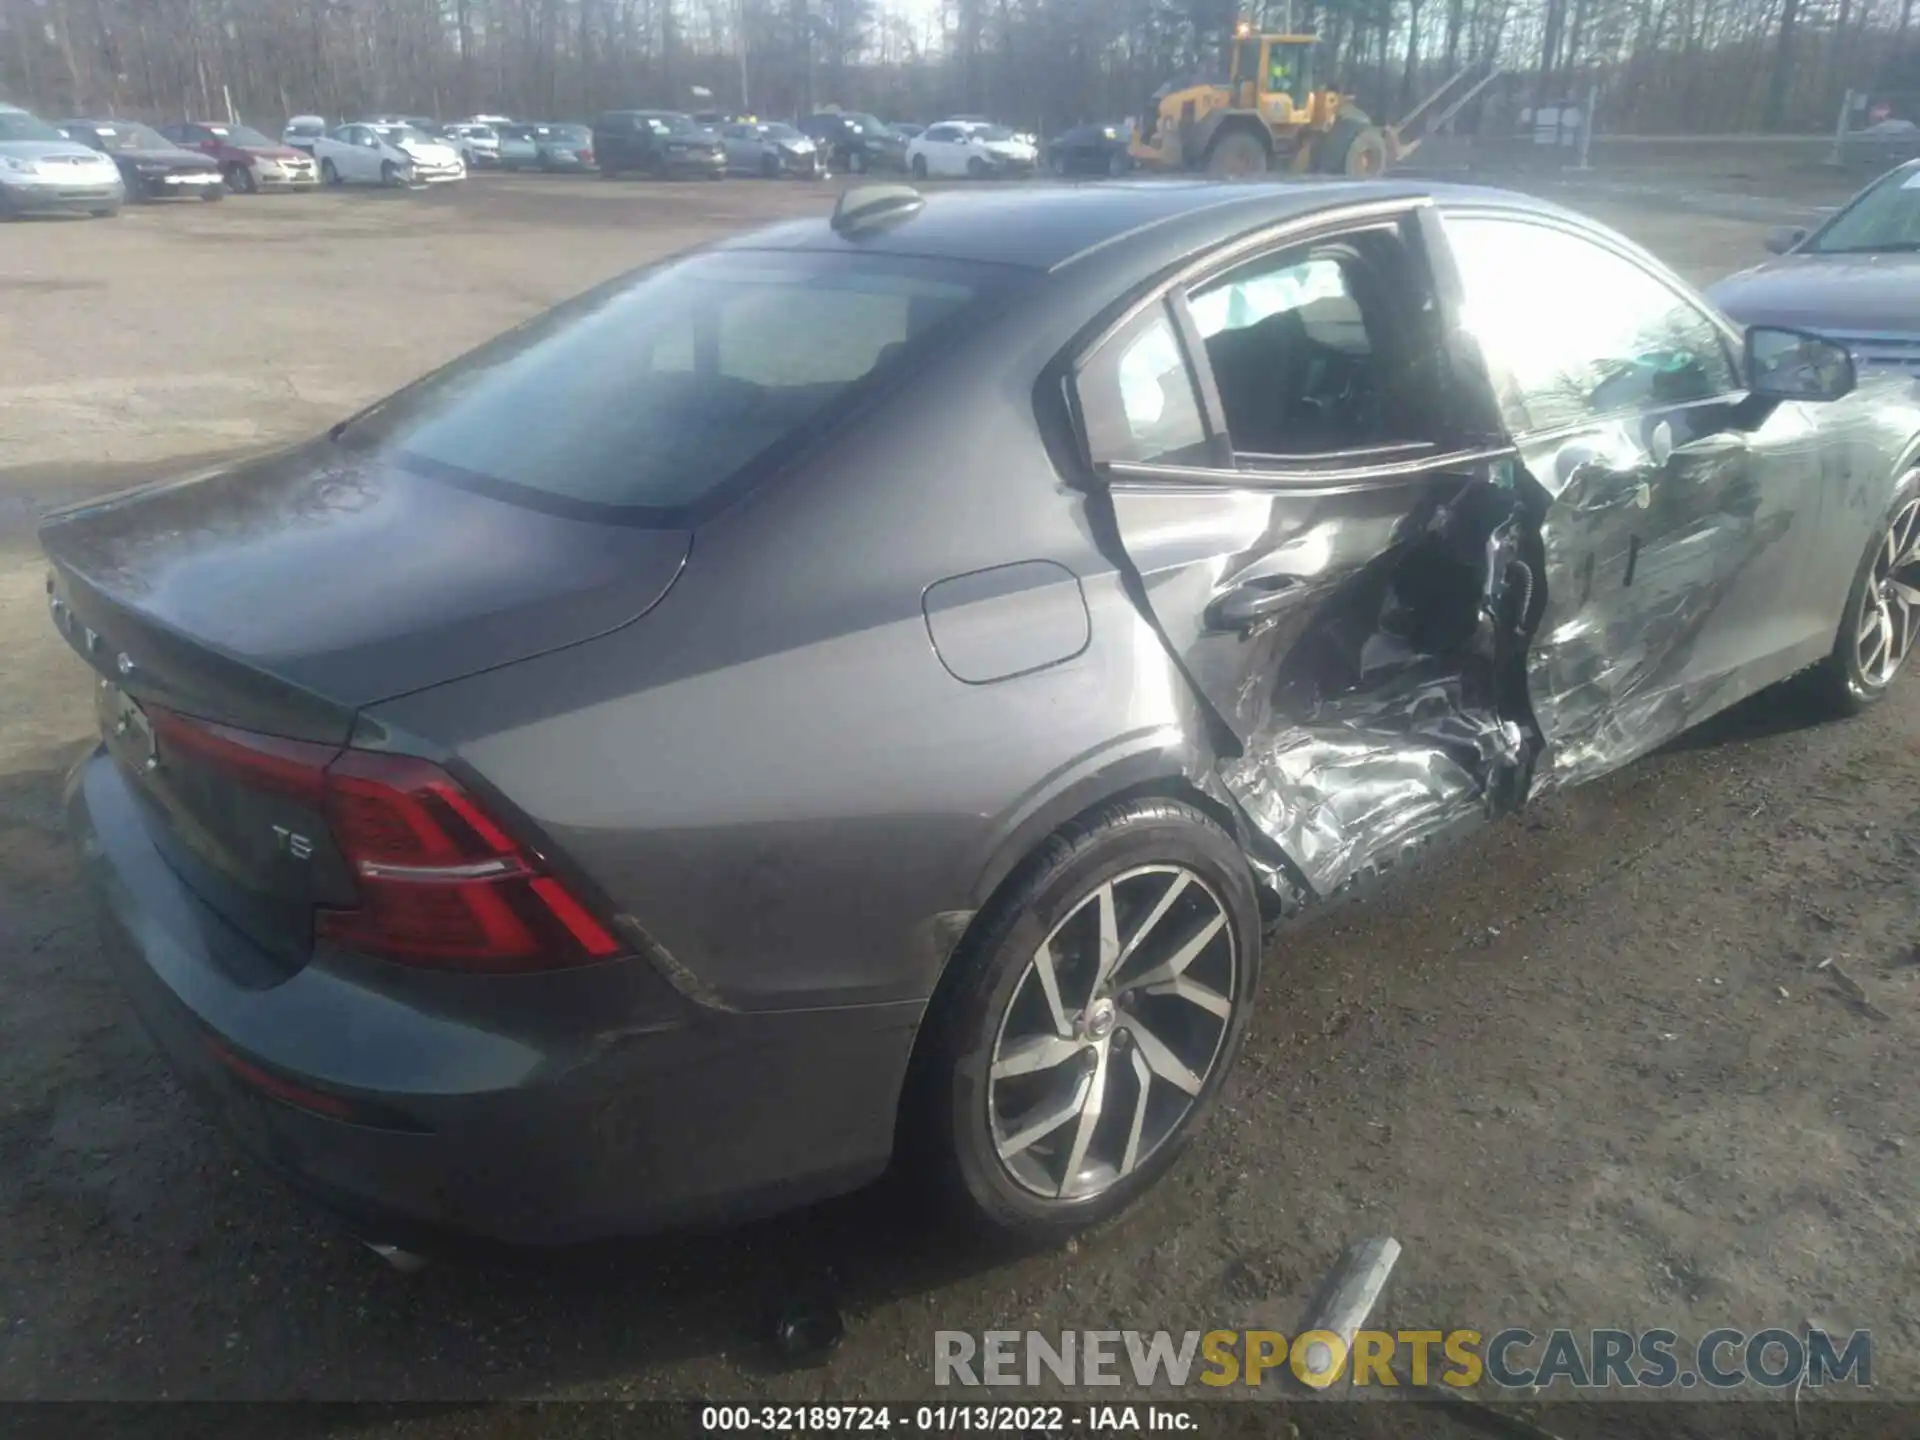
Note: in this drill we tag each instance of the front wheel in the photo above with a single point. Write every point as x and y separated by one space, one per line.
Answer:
856 163
240 179
976 167
1119 163
328 174
390 175
1087 1022
1883 610
214 194
919 167
1237 154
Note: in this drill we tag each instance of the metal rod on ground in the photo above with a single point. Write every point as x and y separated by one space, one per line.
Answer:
1345 1299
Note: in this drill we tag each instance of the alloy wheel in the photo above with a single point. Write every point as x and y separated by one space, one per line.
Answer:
1884 633
1112 1032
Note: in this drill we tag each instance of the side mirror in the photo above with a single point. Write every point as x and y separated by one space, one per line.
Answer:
1793 365
1780 241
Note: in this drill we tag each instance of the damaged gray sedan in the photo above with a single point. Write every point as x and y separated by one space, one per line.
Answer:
870 689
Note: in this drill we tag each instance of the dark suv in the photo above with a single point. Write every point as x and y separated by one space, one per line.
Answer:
856 143
657 142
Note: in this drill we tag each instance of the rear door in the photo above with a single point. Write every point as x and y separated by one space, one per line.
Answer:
1277 435
1677 574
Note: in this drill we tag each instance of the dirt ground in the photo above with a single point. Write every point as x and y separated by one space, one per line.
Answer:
1589 1072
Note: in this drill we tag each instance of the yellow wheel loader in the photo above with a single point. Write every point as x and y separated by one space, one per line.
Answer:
1269 116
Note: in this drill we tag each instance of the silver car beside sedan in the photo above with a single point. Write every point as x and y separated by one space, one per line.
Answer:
771 149
43 172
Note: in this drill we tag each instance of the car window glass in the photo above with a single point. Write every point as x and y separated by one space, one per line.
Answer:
1137 397
1620 337
654 391
1883 218
1316 350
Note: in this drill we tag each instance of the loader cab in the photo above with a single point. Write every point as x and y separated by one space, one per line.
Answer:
1273 74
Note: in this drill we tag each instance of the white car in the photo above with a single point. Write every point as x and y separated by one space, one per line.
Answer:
302 131
971 148
366 153
477 142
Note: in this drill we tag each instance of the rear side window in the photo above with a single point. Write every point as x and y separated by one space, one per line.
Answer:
654 392
1137 397
1322 349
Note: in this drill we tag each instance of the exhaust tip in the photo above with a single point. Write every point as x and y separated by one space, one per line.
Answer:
407 1262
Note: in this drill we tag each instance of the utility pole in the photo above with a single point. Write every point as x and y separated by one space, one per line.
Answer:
746 101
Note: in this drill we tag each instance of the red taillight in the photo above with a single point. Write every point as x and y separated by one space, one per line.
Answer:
440 883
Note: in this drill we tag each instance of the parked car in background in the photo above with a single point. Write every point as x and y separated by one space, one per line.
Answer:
771 148
517 148
907 130
302 130
366 153
248 160
1024 135
561 146
152 167
478 144
1204 574
660 143
1855 277
424 124
856 143
969 148
1090 150
43 172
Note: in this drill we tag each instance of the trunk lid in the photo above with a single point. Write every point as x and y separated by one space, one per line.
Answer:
279 598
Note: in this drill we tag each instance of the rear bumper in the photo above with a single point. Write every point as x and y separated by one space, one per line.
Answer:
533 1110
61 199
308 179
179 183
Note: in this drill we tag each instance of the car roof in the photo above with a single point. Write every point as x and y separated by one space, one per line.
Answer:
1044 229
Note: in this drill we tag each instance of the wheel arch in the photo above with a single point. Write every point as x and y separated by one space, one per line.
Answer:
1223 123
1144 774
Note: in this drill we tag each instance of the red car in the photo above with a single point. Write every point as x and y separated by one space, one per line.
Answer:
250 161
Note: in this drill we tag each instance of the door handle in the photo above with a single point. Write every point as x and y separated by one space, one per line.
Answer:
1251 600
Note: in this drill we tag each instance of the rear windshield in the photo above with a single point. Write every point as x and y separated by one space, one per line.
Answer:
657 391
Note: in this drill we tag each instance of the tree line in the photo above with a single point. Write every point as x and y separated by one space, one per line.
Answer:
1659 66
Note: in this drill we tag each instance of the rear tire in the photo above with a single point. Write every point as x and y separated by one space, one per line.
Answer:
1366 157
985 1073
1236 155
1877 628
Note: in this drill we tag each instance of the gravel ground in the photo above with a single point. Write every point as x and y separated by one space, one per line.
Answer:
1589 1071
